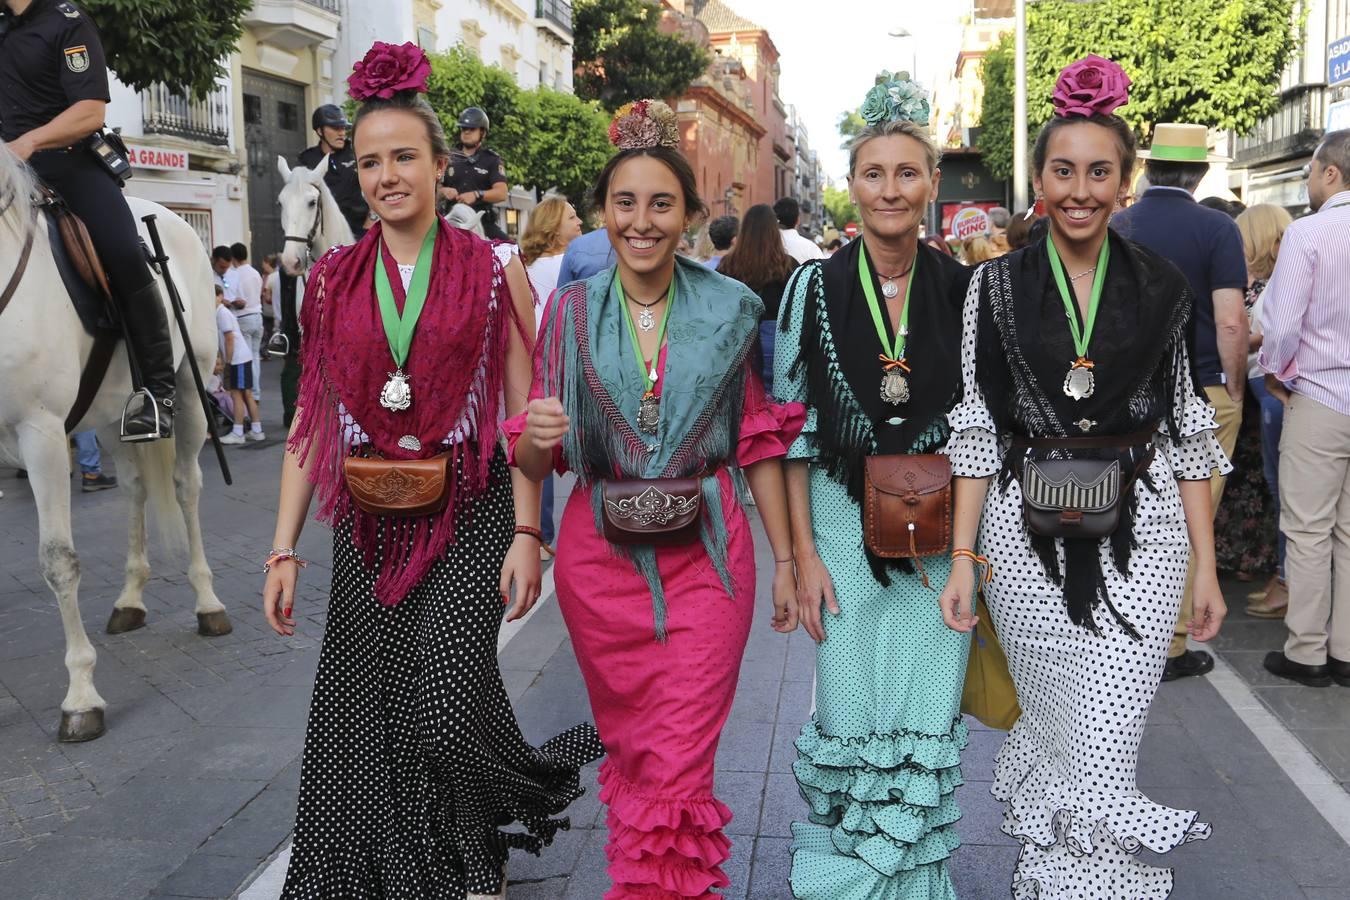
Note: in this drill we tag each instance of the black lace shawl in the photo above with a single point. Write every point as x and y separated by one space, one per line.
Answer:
1025 349
839 352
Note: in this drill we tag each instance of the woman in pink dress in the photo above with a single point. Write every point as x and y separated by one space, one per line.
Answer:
641 373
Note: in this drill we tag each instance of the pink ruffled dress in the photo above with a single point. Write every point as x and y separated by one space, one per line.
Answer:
660 707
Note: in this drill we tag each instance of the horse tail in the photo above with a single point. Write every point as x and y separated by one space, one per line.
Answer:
155 461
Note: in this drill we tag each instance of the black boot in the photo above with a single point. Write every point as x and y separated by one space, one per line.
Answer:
149 418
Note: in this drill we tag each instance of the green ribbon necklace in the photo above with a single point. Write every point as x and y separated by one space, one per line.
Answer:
649 409
1079 382
894 384
398 329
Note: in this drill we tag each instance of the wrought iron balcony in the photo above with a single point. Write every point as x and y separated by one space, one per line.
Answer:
165 111
559 12
1292 131
330 5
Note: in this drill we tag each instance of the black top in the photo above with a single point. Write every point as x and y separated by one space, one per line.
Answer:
1205 245
50 58
343 181
477 173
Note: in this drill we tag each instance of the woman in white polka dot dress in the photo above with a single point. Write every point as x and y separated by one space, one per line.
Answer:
879 762
1074 349
413 762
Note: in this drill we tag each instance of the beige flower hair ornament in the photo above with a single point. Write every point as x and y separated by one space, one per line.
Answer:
644 124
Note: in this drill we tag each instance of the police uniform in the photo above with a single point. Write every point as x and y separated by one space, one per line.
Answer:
343 182
51 57
478 173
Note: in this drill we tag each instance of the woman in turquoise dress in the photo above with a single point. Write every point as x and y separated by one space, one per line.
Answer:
880 760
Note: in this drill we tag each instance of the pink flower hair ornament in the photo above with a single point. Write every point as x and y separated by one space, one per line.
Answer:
1093 86
388 69
644 124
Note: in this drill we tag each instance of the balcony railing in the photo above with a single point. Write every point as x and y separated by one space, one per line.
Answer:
331 6
1292 131
559 12
165 111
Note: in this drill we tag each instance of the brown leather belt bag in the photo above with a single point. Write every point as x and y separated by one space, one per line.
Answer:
907 505
398 487
1078 498
661 511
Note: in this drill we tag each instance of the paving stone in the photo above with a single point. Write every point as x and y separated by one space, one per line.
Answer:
206 875
783 804
771 867
743 792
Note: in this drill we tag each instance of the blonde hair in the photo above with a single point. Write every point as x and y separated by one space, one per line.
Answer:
1261 227
541 232
703 245
890 129
978 249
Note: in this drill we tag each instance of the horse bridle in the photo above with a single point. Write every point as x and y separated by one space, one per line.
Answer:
13 285
314 229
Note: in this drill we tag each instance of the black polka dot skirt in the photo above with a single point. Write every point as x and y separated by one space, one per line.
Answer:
416 781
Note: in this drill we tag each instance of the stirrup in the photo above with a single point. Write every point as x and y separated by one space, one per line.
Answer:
279 343
155 435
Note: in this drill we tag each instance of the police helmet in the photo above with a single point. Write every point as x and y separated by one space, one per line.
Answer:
473 117
329 116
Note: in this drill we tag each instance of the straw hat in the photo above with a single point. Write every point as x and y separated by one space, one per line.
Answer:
1179 142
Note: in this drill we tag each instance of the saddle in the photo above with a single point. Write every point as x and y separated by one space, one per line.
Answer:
81 270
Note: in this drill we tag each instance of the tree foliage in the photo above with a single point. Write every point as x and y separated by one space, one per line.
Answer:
1215 62
622 55
179 42
547 138
839 207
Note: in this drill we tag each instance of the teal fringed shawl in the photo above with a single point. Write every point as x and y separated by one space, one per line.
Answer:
586 360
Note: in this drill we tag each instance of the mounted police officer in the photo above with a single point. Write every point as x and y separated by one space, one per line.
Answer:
476 175
331 125
53 94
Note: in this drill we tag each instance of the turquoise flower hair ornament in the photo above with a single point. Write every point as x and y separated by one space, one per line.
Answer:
895 100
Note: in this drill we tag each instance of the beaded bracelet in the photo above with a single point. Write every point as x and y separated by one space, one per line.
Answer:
982 563
533 532
281 554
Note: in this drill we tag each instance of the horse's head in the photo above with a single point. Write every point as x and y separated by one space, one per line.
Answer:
302 201
463 216
18 185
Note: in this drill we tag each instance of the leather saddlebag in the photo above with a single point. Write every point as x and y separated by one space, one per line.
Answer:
660 511
907 505
399 487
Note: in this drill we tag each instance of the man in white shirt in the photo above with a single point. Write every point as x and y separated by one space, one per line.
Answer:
798 246
247 306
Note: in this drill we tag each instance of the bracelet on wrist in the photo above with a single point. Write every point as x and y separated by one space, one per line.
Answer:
984 569
784 562
533 532
280 555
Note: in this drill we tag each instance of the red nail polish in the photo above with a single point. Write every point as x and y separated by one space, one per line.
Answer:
287 613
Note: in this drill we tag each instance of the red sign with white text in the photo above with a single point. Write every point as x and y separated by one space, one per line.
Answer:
158 158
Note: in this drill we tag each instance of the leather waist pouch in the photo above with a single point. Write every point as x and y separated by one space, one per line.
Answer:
661 511
398 487
1071 498
907 505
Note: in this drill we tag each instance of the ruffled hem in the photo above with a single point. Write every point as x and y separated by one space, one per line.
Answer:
820 871
768 432
1198 447
1045 811
971 416
512 429
1059 873
662 846
973 447
888 799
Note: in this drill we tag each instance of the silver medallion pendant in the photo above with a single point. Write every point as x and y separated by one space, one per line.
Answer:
397 393
889 290
646 320
1078 384
895 387
649 414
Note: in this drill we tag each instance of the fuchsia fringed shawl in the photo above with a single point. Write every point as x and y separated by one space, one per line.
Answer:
455 366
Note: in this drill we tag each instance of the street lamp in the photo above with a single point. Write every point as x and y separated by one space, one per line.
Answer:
903 32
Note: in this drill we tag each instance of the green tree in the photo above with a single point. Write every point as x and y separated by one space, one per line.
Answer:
546 138
621 54
1215 62
839 207
179 42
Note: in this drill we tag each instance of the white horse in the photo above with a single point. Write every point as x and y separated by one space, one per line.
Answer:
40 366
311 220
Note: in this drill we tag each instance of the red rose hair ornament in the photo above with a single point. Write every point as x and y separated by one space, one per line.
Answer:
1093 86
388 69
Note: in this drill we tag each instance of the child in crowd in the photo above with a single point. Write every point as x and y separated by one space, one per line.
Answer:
238 374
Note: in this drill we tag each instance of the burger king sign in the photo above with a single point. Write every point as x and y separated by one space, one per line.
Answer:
970 222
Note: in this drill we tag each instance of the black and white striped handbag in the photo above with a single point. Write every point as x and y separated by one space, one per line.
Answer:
1071 498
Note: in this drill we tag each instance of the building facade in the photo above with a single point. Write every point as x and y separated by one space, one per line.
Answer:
809 178
1268 163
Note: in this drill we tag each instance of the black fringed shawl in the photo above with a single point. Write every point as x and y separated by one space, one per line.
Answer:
838 356
1025 349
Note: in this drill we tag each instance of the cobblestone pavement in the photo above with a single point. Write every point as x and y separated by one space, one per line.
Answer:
192 791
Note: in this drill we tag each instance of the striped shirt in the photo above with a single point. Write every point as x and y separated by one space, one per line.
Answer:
1306 319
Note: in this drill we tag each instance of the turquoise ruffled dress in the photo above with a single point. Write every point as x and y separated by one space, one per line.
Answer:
879 761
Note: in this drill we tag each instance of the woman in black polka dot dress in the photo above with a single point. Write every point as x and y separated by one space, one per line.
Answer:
1085 622
416 781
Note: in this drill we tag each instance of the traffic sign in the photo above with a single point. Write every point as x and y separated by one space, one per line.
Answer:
1338 61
